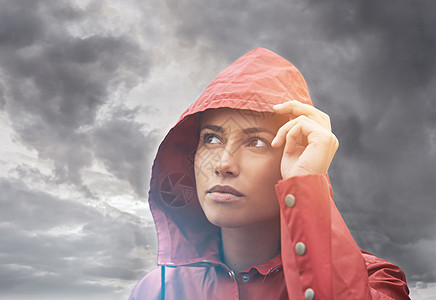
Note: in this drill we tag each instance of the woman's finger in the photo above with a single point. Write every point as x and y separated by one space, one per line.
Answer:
296 108
280 137
314 155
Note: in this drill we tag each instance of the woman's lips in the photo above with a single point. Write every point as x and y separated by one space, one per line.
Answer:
224 193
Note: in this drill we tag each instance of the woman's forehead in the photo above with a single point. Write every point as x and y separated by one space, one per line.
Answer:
241 117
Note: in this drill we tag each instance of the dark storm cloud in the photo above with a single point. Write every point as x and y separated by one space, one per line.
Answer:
402 51
19 27
228 28
390 199
371 66
124 149
55 82
35 259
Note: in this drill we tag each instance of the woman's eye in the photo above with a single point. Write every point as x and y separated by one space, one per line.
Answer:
258 143
211 139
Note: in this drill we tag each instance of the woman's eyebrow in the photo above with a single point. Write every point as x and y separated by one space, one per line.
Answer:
246 131
213 128
256 130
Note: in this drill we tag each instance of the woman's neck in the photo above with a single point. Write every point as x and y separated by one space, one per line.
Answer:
249 246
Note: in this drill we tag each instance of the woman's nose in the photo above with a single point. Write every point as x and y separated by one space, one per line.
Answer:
228 163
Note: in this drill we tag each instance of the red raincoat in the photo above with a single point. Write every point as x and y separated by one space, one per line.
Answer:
319 258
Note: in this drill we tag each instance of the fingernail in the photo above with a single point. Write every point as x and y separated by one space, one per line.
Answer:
273 141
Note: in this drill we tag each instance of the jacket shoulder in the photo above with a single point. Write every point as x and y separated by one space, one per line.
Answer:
374 263
385 278
148 287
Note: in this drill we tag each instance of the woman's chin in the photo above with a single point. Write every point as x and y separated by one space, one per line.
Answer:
227 221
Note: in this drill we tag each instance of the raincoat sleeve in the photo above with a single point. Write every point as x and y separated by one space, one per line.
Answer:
320 257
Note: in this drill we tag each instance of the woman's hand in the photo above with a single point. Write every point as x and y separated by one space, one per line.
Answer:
309 142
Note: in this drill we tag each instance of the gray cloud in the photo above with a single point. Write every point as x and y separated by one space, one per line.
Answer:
56 81
38 259
386 164
124 149
19 27
2 97
59 67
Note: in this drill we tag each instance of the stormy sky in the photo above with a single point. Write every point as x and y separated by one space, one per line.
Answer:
89 88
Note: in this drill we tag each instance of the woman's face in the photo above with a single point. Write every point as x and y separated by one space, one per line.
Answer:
236 168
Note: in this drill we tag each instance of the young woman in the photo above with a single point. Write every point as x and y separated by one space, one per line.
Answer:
242 202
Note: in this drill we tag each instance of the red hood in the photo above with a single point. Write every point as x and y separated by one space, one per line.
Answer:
256 81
